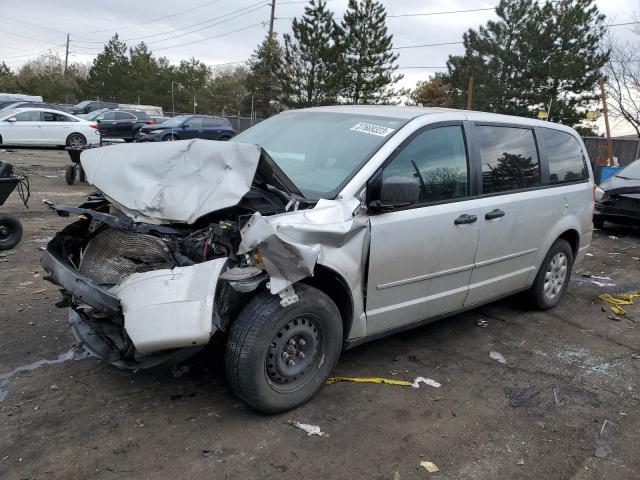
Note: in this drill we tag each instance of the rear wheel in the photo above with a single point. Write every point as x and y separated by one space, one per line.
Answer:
170 138
553 277
10 231
76 141
278 357
70 174
81 176
598 222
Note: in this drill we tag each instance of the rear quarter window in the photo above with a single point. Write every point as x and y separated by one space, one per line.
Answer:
567 161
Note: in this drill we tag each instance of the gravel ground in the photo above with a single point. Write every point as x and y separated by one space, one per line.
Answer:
570 374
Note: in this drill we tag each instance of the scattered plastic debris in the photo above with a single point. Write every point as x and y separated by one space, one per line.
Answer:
426 381
636 258
497 357
520 461
615 302
589 254
611 316
310 429
482 323
26 284
389 381
613 237
601 449
602 284
54 387
430 467
636 356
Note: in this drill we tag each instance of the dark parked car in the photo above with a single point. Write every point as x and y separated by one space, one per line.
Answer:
618 197
91 105
123 124
188 126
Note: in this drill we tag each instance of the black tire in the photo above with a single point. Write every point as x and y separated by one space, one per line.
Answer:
255 363
10 231
81 176
598 222
170 138
77 141
129 140
537 294
225 139
70 174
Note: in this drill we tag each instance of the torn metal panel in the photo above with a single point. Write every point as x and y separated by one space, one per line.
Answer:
292 243
172 181
166 308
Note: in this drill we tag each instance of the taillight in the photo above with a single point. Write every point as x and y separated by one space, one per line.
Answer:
234 131
151 122
93 125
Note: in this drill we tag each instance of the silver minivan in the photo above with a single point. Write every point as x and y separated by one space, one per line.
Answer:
313 231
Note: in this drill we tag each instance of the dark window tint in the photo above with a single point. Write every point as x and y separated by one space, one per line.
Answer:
108 116
213 122
194 123
28 117
56 117
509 158
566 159
437 159
124 116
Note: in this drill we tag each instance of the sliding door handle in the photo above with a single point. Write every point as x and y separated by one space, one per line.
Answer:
464 219
497 213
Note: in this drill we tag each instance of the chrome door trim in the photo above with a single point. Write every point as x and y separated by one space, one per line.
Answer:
506 257
425 277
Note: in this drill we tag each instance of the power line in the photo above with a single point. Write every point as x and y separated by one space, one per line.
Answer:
32 24
211 38
154 20
253 7
440 13
426 45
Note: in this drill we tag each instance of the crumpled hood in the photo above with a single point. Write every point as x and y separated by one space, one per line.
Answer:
172 181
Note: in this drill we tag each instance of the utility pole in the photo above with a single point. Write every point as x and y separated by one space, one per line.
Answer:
273 16
606 121
470 93
66 56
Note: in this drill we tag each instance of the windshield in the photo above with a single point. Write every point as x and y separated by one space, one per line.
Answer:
319 151
175 121
84 103
631 171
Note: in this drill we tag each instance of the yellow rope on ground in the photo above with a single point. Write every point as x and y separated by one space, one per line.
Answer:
389 381
615 302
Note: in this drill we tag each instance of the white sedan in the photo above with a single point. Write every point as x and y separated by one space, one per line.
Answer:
42 126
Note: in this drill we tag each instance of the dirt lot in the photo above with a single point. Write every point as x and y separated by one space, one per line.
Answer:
568 371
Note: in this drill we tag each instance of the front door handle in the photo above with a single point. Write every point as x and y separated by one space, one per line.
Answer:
464 219
497 213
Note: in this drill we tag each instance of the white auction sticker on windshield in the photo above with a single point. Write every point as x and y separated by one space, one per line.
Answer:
372 129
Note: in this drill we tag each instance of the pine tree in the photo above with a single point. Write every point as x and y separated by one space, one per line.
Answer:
262 80
109 75
369 63
533 56
143 76
311 75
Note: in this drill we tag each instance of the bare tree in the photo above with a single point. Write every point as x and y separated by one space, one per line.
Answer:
623 81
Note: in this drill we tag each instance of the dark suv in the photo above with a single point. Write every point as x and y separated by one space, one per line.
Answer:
188 126
88 106
123 124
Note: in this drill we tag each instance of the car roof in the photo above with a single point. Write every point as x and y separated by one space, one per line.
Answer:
50 110
411 112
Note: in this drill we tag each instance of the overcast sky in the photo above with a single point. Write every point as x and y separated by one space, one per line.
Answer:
190 25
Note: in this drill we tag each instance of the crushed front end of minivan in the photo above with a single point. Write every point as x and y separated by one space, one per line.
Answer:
179 238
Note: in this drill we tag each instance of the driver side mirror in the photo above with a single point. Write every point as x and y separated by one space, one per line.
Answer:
395 192
12 119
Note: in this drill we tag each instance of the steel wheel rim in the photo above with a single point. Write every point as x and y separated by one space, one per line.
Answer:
556 275
293 353
6 232
76 142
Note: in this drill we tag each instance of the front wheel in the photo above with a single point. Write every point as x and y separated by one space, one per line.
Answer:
278 357
170 138
70 174
10 231
553 277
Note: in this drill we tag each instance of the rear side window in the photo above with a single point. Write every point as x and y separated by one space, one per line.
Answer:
108 116
566 159
57 117
194 123
509 158
213 122
124 116
437 159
